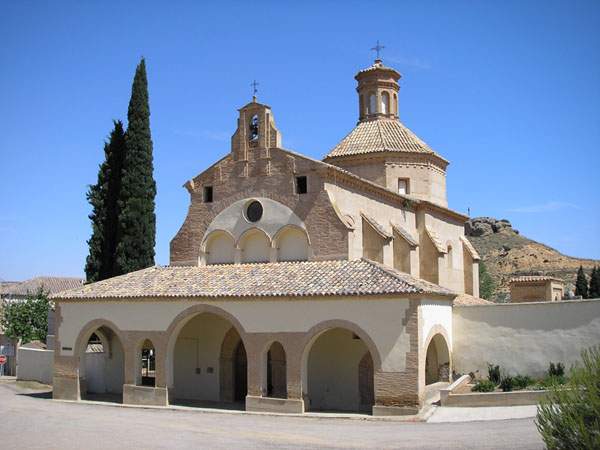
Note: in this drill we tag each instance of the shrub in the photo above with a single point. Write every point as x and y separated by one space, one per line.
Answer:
494 373
554 380
522 381
484 386
557 370
567 417
507 383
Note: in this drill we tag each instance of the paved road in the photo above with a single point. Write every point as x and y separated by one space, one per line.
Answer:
29 419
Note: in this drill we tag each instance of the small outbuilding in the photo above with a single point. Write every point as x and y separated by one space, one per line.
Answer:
536 288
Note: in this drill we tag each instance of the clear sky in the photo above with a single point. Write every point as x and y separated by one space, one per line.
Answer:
508 91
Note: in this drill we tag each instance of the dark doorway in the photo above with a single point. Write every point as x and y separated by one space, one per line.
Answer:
240 375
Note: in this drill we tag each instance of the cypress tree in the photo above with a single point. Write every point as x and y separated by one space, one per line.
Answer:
581 285
594 291
137 221
103 196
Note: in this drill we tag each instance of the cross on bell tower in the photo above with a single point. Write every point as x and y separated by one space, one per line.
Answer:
378 49
254 85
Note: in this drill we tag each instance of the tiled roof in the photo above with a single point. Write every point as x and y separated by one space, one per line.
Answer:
470 248
469 300
377 65
534 278
289 279
49 284
380 135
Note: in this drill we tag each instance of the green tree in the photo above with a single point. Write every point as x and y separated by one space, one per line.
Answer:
487 287
137 221
104 196
569 416
581 284
26 319
594 291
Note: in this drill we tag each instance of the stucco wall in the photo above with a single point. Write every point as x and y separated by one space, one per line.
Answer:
381 318
433 313
523 338
35 365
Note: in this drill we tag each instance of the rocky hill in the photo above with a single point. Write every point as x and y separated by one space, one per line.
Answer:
507 253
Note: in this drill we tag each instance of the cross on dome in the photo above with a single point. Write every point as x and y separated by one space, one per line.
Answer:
254 85
378 49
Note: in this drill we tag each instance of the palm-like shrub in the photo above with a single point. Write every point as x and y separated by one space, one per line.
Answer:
568 416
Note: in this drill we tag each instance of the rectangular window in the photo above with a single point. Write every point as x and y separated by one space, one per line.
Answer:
403 186
301 185
208 194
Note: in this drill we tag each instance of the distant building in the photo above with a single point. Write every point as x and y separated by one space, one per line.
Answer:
18 290
536 288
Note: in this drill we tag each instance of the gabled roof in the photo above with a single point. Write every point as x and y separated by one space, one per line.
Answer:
381 135
281 279
51 285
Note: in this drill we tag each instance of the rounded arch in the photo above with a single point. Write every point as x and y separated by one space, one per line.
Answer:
88 329
449 255
182 319
255 245
101 372
338 363
437 363
372 106
218 247
273 359
395 105
145 362
385 103
292 244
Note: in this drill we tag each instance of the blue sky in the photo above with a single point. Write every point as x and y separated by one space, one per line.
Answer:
508 91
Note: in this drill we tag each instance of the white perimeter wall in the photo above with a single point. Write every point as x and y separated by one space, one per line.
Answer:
435 312
35 365
524 337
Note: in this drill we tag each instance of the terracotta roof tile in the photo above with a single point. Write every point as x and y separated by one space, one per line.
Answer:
408 237
290 279
379 136
534 278
470 248
49 284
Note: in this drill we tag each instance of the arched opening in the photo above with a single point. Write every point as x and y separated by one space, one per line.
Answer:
437 361
292 244
253 128
339 372
385 103
255 246
219 248
208 363
395 105
372 104
276 372
101 366
146 364
449 257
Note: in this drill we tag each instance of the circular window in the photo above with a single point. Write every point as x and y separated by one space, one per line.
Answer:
254 211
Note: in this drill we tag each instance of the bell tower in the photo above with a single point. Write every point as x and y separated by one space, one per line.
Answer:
377 92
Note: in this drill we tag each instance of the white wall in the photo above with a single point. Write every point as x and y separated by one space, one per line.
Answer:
35 365
104 373
435 312
381 318
524 337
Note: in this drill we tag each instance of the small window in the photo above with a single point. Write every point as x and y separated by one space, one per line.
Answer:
208 194
403 186
301 185
372 104
254 211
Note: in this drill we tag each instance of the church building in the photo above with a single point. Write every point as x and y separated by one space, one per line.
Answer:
294 284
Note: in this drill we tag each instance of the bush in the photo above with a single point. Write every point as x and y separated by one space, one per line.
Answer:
484 386
554 380
557 370
507 383
494 373
522 381
567 417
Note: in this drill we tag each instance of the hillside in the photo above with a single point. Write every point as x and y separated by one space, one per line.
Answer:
507 253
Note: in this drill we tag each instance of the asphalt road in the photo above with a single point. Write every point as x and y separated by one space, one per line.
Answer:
30 419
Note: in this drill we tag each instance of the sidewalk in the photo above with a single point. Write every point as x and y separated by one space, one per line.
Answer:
458 414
